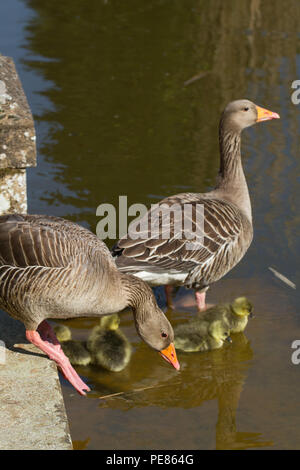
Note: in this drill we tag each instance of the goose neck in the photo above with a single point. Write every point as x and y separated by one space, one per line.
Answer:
136 292
231 180
231 169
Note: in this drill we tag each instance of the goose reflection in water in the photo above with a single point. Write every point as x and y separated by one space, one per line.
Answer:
217 375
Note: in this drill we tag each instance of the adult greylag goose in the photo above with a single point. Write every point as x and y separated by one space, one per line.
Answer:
168 257
53 268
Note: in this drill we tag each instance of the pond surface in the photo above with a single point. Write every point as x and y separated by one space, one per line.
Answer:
116 113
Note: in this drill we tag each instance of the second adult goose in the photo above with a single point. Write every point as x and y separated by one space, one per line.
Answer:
53 268
161 254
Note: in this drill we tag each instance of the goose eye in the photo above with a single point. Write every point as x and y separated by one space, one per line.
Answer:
164 335
246 109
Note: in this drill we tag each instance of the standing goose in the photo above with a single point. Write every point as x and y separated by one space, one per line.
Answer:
168 257
53 268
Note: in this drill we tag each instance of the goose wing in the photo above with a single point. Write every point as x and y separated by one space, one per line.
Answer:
29 240
202 255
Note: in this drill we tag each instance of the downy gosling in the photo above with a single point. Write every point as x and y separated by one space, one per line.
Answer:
74 350
198 335
108 345
233 316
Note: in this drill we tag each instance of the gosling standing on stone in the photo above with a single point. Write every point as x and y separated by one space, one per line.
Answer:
108 345
200 336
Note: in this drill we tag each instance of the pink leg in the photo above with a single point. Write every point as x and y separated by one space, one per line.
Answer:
168 292
47 333
200 299
48 343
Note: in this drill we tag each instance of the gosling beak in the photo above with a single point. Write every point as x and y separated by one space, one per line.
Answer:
229 339
265 114
251 315
169 354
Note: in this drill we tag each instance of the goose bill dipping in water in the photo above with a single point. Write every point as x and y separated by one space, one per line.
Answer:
53 268
227 221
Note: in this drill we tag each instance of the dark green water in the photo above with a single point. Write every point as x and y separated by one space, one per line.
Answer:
106 83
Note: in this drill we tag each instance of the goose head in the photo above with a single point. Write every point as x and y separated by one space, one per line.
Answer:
240 114
151 323
156 330
242 307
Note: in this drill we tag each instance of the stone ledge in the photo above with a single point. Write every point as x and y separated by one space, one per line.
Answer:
32 411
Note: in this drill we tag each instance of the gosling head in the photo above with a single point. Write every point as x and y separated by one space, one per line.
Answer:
63 333
242 307
240 114
110 322
219 332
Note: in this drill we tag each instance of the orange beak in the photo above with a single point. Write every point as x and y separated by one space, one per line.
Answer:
169 354
265 114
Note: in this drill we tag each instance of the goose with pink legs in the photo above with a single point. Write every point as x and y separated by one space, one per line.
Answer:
53 268
226 233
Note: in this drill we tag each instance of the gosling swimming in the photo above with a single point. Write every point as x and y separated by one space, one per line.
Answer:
108 346
233 316
74 350
198 335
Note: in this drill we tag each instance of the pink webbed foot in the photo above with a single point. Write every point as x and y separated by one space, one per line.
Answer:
46 340
200 299
168 292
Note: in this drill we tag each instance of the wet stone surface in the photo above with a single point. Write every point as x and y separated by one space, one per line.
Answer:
32 410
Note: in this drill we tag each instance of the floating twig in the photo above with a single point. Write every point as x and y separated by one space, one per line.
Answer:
283 278
195 78
132 391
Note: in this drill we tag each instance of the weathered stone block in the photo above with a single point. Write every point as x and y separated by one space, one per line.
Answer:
13 196
32 411
17 133
17 140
